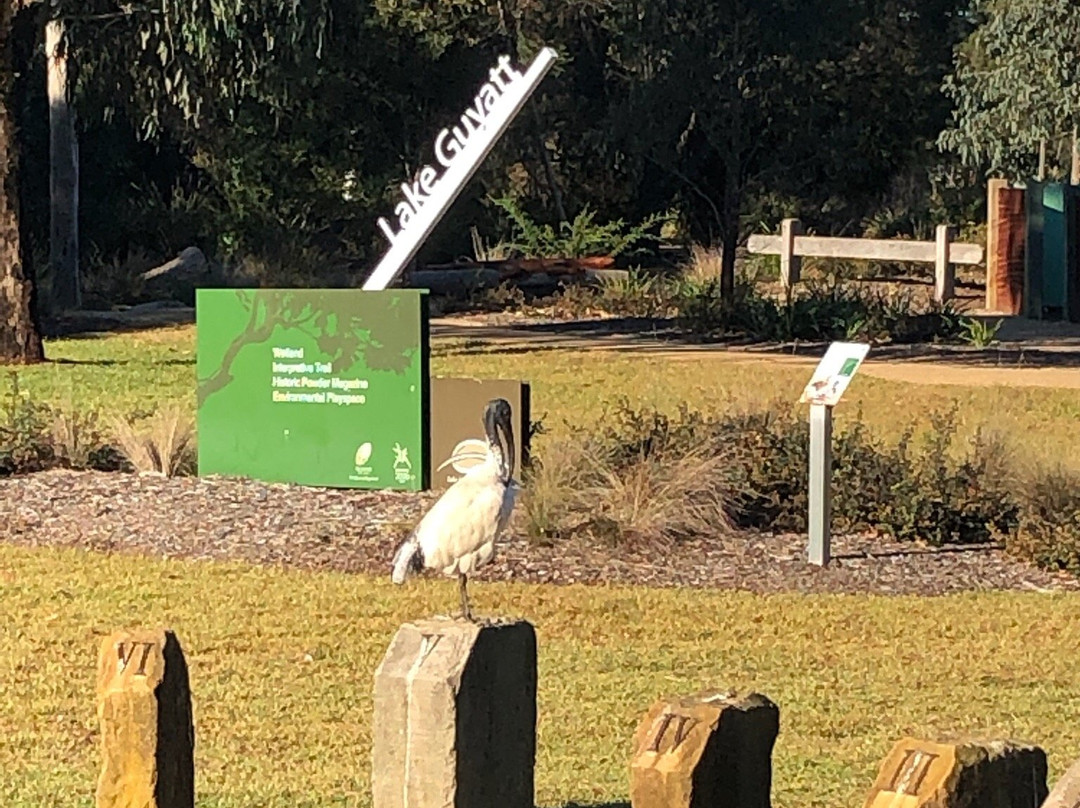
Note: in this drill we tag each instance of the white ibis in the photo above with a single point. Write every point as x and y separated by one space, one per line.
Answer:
458 534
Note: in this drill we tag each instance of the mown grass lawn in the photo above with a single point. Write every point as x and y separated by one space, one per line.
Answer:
282 662
282 668
133 373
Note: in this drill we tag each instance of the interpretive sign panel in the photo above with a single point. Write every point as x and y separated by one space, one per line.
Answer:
834 373
457 425
324 387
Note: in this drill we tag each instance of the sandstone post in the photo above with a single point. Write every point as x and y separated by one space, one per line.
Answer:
1066 792
710 750
144 706
959 774
455 716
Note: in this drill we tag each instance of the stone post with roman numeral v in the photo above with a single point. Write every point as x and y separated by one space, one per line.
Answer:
147 735
918 773
455 716
709 750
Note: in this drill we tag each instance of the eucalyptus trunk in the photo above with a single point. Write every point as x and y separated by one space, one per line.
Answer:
20 342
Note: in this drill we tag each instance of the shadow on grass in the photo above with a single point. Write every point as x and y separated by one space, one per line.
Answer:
920 551
116 362
588 805
98 324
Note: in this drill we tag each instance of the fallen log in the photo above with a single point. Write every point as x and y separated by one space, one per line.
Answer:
451 281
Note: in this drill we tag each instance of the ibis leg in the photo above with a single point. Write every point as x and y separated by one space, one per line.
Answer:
465 611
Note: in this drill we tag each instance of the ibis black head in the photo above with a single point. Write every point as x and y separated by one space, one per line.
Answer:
500 434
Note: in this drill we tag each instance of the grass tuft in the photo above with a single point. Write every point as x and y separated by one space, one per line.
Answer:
162 444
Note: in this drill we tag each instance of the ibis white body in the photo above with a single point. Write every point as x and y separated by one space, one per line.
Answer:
458 534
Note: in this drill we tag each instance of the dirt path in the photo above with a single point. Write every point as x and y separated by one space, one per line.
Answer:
939 373
1031 354
1034 355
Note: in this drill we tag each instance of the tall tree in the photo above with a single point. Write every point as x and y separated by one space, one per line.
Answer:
20 340
1015 85
710 98
184 61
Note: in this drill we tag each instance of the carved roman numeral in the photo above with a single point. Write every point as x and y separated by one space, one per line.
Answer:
912 771
427 645
685 724
125 656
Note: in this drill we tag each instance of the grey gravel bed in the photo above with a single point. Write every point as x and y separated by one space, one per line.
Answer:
356 532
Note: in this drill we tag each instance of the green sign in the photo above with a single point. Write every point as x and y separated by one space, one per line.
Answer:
324 387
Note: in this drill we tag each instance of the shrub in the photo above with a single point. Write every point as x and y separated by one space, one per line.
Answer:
35 436
815 311
771 466
25 443
940 498
638 294
79 442
1048 532
575 239
645 475
640 477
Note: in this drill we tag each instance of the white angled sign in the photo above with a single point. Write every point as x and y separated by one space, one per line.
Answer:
834 373
459 150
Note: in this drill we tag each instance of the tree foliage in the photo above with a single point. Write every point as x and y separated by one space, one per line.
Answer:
190 60
1016 83
255 117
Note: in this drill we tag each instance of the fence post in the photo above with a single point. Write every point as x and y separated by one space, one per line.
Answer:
944 271
790 263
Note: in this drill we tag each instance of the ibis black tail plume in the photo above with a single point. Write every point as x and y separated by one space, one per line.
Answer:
407 558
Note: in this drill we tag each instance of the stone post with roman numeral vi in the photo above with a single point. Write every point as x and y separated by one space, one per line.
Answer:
455 716
709 750
147 735
957 774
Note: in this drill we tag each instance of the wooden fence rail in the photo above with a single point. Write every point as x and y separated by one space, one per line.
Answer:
791 245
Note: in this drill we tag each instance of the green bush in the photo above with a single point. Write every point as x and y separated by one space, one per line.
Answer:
25 443
697 474
582 237
1048 532
815 311
35 436
941 496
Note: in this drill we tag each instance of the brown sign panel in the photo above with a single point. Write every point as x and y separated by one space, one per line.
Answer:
457 425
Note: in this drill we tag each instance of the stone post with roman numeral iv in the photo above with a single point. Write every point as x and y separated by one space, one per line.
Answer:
709 750
455 716
147 735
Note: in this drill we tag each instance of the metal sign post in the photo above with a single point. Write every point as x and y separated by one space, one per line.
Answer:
827 385
820 484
